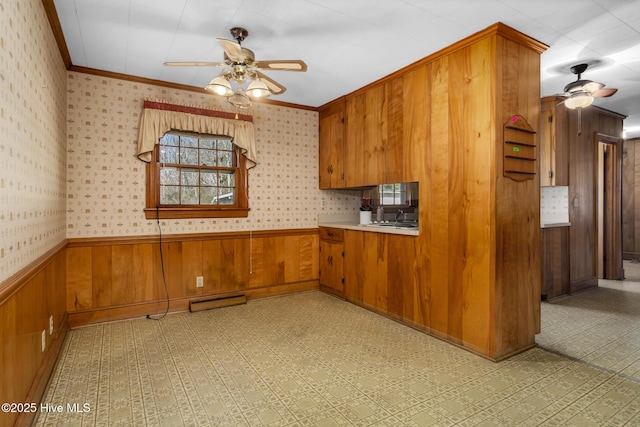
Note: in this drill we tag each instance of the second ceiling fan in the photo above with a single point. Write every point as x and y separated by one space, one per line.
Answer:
580 93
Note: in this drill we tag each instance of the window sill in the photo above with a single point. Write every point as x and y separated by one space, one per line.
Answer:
179 213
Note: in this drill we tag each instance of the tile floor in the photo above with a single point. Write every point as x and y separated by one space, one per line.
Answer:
312 360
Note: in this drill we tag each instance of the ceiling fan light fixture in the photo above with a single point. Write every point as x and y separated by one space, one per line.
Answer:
258 89
240 100
579 100
220 86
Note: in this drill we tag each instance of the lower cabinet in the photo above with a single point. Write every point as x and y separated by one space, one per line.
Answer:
332 260
555 262
380 274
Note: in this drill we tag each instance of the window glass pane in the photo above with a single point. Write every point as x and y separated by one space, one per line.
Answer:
190 176
207 157
168 154
188 141
169 176
209 195
169 195
225 159
189 195
392 194
208 178
225 144
189 156
227 179
170 139
207 143
227 196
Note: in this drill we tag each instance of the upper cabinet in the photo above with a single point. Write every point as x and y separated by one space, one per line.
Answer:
554 147
374 135
331 162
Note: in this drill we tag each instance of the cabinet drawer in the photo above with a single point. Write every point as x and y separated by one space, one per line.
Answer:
331 234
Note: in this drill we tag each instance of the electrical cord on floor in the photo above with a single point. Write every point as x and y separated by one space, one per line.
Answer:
164 279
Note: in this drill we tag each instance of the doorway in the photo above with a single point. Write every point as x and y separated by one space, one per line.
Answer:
608 208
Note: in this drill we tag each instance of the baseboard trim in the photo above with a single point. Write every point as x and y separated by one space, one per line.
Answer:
158 307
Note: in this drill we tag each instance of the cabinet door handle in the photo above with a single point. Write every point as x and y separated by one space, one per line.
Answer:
330 260
330 234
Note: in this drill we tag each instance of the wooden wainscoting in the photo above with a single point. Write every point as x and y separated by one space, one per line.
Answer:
28 299
117 278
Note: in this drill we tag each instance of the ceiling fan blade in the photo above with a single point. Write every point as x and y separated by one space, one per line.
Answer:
194 64
274 87
604 93
282 65
232 49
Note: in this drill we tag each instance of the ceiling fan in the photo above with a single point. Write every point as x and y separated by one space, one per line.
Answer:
581 93
240 66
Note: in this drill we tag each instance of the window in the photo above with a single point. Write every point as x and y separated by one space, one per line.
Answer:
196 176
393 194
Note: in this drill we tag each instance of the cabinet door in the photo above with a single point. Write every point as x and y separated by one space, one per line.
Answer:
547 149
374 135
331 146
393 138
364 146
331 265
554 143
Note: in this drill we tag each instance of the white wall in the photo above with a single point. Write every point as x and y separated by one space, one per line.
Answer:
33 136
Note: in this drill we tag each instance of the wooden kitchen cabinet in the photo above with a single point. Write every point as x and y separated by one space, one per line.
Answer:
555 262
332 260
379 270
331 162
472 276
374 135
554 148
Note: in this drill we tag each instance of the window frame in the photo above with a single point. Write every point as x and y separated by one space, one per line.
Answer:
154 210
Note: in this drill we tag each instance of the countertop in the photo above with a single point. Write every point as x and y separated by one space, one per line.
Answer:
555 224
349 225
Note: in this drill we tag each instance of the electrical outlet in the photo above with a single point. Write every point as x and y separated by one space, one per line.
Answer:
44 339
50 325
199 282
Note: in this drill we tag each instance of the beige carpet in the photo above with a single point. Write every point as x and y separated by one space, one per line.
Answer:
312 360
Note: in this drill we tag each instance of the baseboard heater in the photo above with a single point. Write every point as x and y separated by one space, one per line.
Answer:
216 302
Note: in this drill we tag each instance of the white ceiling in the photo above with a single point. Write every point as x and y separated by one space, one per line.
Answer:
350 43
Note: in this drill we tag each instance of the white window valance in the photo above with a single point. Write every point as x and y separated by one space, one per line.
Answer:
159 118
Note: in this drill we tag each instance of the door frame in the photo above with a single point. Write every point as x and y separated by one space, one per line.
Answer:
612 244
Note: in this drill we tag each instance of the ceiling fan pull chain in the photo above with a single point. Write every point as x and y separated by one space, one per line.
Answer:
579 120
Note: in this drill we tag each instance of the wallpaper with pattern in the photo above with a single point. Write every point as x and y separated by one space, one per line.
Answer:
32 136
106 181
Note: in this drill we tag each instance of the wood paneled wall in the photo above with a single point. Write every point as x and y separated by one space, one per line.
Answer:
631 199
117 278
583 147
27 301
